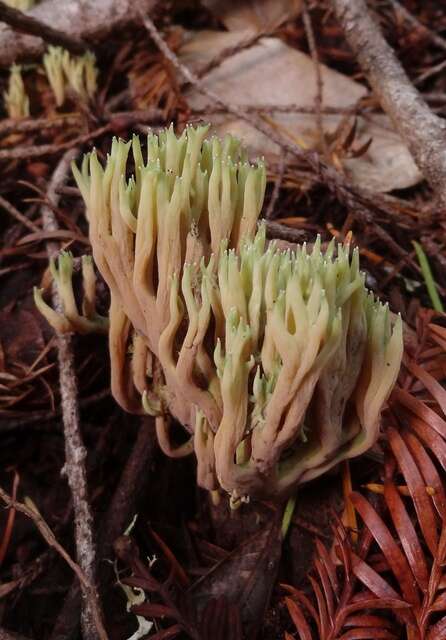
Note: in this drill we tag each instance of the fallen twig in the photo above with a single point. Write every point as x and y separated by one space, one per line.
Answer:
318 98
15 422
117 518
87 20
88 587
15 213
24 125
124 118
20 21
269 214
285 108
228 52
117 120
275 230
414 22
423 131
429 73
122 505
22 153
75 453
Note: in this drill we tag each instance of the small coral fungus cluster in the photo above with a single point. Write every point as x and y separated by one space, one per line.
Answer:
276 362
67 75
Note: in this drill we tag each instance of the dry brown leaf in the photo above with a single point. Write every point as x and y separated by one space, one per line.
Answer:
272 73
253 15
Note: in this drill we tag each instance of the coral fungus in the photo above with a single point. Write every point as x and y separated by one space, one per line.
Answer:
277 362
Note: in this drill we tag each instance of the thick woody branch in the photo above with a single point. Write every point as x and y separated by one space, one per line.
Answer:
422 130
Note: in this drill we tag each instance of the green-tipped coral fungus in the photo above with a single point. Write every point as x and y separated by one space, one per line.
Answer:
15 98
278 363
67 72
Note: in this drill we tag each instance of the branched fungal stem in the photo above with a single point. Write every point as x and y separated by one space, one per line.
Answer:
278 363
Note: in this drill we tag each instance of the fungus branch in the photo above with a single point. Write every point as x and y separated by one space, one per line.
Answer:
75 73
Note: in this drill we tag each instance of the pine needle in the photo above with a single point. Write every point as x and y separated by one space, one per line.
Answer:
349 515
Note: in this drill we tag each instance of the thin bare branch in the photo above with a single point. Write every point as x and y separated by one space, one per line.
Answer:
15 422
228 52
15 213
23 125
23 23
269 214
285 108
281 232
117 120
414 22
87 20
25 152
87 586
75 453
309 32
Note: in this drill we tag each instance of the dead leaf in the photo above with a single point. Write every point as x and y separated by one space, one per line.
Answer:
245 577
253 15
272 73
21 351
